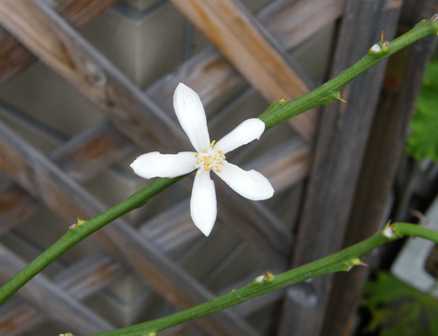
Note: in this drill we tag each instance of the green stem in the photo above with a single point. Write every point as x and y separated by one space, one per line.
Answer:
341 261
276 113
330 91
74 236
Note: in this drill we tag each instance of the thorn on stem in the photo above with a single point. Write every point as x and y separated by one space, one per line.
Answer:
266 277
380 48
340 97
78 223
353 263
389 232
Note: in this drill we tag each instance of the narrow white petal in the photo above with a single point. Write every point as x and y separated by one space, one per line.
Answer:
191 116
203 207
155 164
247 131
248 183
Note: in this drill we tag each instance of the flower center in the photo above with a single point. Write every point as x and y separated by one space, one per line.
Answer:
210 159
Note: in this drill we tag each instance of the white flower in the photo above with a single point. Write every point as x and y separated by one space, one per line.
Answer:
209 156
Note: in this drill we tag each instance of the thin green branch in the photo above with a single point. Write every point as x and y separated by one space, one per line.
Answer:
338 262
330 91
276 113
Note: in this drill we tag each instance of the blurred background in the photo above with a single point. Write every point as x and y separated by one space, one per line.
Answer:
86 86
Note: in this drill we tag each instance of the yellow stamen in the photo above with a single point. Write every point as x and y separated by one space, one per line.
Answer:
211 159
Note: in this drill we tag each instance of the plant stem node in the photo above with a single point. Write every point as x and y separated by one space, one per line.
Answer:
266 277
78 223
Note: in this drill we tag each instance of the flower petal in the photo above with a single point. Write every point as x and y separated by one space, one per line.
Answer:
155 164
247 131
191 116
203 207
248 183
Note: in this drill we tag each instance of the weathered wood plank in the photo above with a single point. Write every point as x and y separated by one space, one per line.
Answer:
15 58
132 112
342 138
239 36
402 84
170 230
51 300
72 57
212 77
64 196
81 158
85 278
79 282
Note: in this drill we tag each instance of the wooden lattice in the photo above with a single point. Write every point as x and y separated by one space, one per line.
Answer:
250 50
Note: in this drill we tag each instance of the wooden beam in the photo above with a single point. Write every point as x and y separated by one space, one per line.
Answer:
208 73
133 113
170 230
289 22
68 199
239 36
81 158
402 84
84 279
79 281
51 300
343 134
14 57
72 57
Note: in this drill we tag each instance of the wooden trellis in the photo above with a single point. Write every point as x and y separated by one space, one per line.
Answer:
250 50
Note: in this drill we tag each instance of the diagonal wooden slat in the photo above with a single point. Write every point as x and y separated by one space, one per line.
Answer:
289 22
51 300
343 134
208 73
15 58
170 233
64 196
132 112
79 282
239 36
85 278
82 65
81 158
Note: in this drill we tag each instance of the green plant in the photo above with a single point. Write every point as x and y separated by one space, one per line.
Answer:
276 114
398 309
423 140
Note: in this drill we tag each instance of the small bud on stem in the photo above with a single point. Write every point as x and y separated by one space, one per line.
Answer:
78 223
266 277
389 232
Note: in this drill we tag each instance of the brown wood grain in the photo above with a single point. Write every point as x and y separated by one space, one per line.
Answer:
81 158
79 281
64 196
342 138
51 300
237 34
171 230
131 111
66 52
84 279
208 73
402 84
15 58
